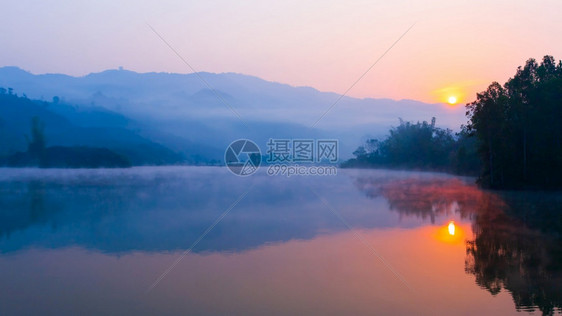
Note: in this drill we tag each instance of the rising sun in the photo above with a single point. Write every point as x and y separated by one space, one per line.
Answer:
452 100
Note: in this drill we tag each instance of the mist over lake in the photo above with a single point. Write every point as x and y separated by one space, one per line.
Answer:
280 157
106 235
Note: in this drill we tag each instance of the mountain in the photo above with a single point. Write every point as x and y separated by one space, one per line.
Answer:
16 114
197 114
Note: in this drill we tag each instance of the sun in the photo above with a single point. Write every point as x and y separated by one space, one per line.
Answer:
452 100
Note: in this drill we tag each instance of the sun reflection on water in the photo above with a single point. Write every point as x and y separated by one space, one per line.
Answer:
451 228
451 233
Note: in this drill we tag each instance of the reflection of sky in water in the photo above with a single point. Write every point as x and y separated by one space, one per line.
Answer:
76 240
165 209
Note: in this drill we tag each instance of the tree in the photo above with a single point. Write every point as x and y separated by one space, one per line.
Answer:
486 115
518 127
36 144
419 145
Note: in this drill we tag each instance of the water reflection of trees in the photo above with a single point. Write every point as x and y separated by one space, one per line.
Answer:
517 241
507 253
425 198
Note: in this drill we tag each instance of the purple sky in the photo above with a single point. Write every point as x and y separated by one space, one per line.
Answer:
455 48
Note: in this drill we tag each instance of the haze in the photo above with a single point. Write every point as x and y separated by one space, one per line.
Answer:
455 47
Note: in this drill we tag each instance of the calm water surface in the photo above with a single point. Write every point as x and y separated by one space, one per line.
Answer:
359 243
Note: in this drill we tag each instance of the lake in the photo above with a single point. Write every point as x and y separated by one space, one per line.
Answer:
201 241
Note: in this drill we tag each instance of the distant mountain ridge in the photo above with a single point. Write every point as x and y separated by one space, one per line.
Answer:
182 113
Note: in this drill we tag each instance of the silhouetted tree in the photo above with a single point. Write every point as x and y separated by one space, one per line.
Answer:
419 145
518 128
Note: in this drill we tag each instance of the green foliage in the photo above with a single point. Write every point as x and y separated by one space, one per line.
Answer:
465 158
513 138
419 145
518 128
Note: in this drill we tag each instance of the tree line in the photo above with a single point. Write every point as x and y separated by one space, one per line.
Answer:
519 128
39 155
421 146
512 139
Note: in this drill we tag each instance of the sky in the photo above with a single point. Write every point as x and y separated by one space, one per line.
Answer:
455 48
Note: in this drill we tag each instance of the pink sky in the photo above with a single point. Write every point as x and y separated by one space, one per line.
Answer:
455 48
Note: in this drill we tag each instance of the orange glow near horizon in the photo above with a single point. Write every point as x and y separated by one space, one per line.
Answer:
302 39
450 233
451 95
